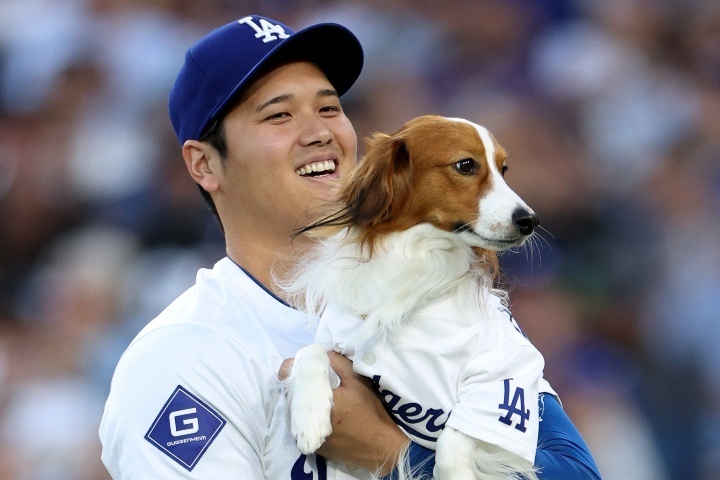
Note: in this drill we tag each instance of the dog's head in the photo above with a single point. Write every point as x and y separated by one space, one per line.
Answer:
444 171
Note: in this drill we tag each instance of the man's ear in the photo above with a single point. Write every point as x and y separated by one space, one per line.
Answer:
202 162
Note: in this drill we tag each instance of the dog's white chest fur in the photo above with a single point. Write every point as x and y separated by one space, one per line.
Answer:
408 270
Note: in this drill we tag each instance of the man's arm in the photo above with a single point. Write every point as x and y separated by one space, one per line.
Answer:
173 413
562 454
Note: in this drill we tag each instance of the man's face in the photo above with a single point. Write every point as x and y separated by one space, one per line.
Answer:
288 123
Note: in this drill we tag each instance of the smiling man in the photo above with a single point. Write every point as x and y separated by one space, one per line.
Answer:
256 108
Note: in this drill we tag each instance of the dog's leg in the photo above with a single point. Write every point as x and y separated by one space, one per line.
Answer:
310 398
460 457
454 457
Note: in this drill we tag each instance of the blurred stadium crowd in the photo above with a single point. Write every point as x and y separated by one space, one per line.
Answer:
610 111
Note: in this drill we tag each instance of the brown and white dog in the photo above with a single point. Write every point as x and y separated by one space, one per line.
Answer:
418 223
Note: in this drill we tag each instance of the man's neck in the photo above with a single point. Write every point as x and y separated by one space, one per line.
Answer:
264 260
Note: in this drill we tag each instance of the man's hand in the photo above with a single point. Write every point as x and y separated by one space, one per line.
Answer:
363 434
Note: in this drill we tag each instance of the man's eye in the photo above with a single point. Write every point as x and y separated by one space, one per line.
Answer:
466 166
330 109
278 116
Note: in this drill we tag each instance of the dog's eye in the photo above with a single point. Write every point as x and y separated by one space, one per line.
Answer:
503 170
466 166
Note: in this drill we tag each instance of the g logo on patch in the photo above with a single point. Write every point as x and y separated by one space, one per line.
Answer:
193 422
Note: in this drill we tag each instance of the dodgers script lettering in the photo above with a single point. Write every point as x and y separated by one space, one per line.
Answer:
410 413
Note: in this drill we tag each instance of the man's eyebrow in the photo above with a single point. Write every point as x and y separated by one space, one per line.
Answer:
325 92
272 101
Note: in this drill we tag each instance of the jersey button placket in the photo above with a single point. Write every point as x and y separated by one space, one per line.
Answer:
368 358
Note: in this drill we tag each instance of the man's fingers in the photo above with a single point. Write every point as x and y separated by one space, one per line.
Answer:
286 368
340 363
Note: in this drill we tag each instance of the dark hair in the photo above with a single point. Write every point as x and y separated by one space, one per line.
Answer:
215 137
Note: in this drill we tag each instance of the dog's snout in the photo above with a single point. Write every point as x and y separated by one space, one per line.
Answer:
525 220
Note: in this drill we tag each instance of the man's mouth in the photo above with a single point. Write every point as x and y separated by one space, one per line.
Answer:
315 169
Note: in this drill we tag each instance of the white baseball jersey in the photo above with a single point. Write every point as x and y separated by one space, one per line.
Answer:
196 395
481 377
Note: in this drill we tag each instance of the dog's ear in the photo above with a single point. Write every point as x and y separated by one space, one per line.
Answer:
380 183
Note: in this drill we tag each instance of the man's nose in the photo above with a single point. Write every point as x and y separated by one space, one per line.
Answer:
316 132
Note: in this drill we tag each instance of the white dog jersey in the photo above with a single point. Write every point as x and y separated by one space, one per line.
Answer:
196 394
479 376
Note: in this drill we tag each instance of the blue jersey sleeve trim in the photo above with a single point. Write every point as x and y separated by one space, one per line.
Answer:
562 453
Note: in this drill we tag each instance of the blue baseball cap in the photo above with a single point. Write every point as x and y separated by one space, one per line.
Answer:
221 65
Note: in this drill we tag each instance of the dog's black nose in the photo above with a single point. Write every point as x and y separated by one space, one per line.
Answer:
526 221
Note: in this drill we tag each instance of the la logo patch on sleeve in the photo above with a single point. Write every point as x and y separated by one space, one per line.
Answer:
185 428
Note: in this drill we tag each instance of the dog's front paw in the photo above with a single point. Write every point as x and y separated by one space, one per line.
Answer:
310 399
310 420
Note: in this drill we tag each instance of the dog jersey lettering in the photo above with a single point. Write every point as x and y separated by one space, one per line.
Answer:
406 415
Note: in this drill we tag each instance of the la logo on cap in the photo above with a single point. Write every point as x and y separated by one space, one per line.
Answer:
266 30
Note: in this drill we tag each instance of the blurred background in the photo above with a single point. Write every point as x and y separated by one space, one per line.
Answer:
610 111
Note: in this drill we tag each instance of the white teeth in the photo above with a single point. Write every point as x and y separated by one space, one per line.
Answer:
325 166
